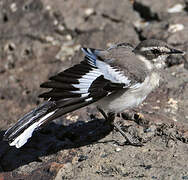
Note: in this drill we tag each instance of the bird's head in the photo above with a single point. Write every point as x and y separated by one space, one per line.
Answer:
156 51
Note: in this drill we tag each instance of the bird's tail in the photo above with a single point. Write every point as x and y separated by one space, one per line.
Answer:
18 134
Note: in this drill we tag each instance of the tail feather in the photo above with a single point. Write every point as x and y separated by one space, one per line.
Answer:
23 129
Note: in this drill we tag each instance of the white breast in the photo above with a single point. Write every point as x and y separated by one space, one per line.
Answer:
126 99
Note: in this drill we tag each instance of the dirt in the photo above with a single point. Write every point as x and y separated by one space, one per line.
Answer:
41 38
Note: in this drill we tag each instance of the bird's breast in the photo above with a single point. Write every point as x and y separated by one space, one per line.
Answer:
127 99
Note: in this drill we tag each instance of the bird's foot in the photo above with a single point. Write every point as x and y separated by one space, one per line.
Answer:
130 138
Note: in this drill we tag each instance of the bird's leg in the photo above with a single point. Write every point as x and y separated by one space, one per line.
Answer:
129 139
103 113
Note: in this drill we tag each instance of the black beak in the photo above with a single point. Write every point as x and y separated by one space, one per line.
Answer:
175 51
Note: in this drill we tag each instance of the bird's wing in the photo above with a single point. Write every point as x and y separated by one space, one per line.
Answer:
90 80
118 64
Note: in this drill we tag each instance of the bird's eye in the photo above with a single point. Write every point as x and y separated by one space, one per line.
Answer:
155 51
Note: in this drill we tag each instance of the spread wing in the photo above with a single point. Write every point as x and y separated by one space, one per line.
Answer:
86 82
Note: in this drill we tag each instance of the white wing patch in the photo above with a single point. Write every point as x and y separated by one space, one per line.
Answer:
135 86
105 69
112 74
23 137
85 82
88 99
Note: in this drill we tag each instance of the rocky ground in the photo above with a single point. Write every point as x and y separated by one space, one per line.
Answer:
39 38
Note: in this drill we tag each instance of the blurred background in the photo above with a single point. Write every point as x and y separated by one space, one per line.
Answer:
39 38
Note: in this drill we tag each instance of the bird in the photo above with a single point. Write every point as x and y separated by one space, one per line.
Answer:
114 80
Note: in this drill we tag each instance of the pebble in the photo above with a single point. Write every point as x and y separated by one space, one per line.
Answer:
175 27
89 11
118 149
13 7
176 8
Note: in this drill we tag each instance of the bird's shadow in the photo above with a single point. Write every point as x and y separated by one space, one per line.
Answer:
51 139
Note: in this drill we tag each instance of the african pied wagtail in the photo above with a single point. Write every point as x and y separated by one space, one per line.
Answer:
115 79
